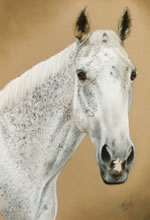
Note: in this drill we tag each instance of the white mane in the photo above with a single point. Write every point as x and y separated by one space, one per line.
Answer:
34 77
38 74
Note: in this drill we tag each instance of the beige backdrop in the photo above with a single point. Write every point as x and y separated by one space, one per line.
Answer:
32 30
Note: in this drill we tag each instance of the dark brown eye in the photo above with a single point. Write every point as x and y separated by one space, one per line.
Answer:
133 74
82 75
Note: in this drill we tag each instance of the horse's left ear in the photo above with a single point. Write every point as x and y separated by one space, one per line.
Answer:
124 25
82 26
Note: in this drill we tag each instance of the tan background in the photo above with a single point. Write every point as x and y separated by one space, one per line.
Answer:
32 30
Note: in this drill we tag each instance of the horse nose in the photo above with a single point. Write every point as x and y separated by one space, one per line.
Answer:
115 163
117 167
107 157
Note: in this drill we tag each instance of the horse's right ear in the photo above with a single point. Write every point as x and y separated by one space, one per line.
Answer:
124 25
82 26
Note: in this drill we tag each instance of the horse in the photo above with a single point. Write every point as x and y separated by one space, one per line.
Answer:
47 111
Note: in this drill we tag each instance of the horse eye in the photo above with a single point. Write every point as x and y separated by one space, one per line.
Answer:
133 74
82 75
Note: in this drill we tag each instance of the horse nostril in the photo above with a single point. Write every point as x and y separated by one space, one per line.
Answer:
130 157
124 165
105 155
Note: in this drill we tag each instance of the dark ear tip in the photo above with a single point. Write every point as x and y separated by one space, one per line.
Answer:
82 14
126 13
124 24
84 11
82 26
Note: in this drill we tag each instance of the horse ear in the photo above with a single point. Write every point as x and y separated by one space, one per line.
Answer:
124 25
82 26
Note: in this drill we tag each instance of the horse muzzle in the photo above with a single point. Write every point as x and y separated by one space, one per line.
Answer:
114 168
113 176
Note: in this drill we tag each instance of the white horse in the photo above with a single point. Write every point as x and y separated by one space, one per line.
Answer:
46 112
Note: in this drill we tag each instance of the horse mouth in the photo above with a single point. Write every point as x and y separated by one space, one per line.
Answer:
114 182
109 180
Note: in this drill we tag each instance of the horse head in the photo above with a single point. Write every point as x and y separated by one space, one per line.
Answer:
103 77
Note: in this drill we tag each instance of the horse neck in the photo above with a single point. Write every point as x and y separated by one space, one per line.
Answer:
40 131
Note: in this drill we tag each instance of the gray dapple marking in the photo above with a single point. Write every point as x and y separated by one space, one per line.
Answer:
45 113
